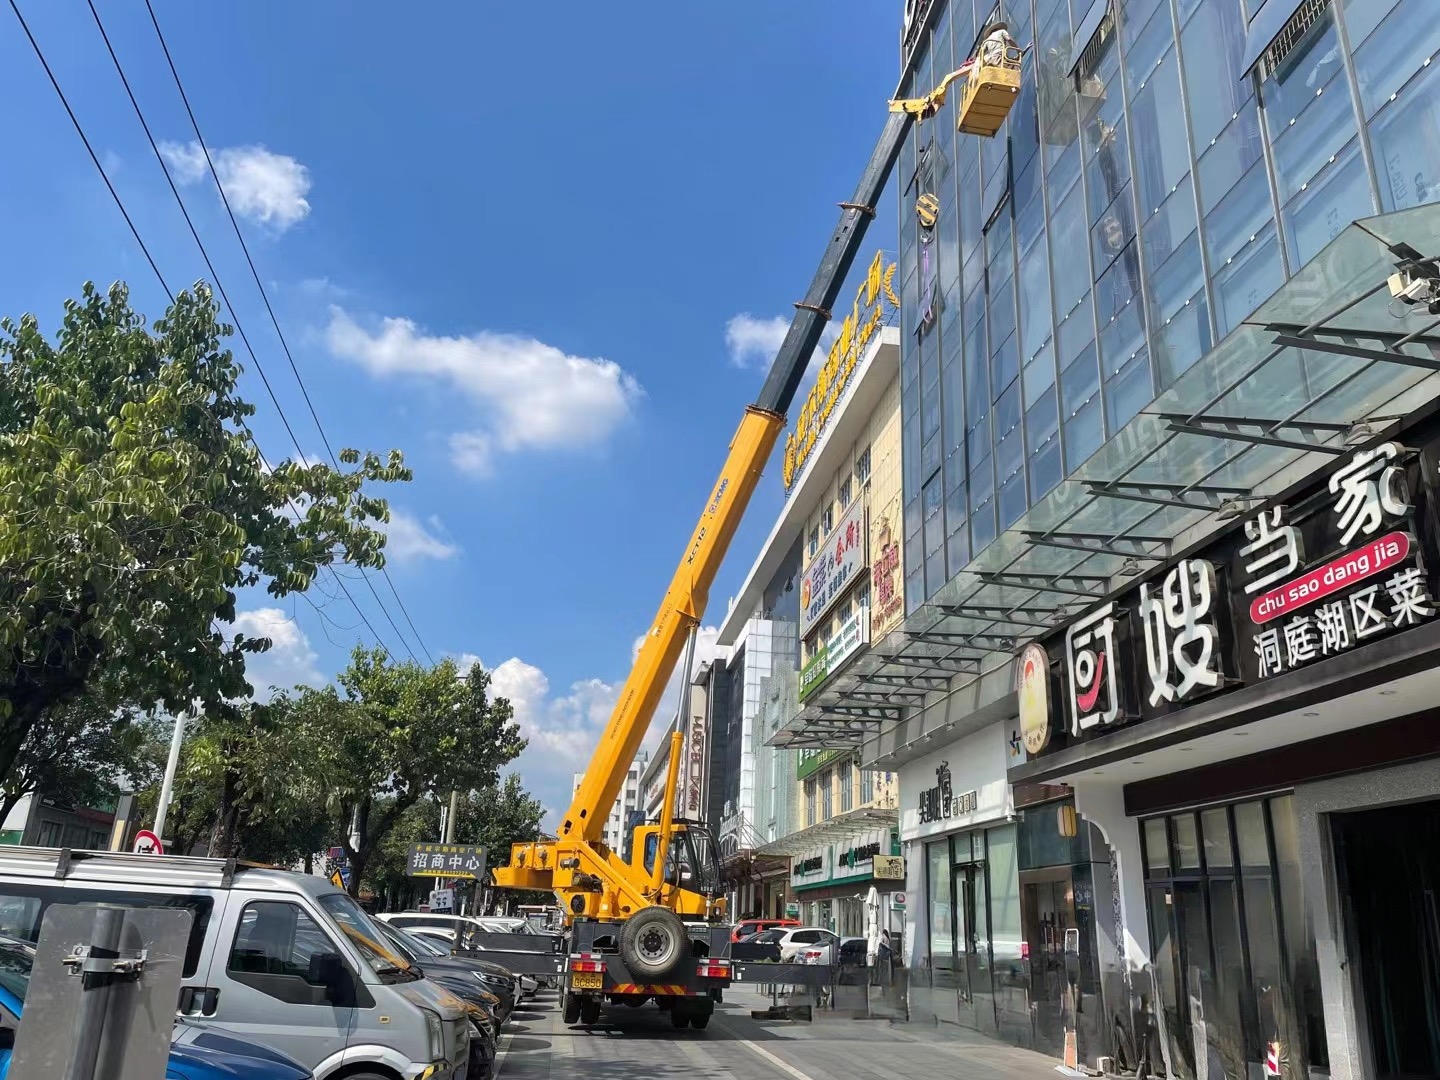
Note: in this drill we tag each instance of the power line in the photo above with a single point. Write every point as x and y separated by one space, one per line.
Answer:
264 296
120 204
234 312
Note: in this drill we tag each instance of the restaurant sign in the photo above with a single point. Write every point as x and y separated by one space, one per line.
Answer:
875 301
836 567
832 653
1341 562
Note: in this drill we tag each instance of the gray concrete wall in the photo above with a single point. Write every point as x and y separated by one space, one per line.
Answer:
1417 782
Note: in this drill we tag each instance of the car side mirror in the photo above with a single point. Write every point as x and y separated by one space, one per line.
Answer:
328 970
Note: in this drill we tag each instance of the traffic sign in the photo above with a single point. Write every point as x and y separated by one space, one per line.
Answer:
336 879
147 843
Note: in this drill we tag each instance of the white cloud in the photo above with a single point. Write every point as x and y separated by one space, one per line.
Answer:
563 729
754 342
408 539
263 186
290 660
532 396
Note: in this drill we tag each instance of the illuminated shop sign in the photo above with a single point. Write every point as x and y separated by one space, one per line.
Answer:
1343 561
875 301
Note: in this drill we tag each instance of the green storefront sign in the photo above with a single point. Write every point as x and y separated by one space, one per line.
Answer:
812 761
834 651
815 671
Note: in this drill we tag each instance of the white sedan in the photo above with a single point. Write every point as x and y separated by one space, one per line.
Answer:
795 940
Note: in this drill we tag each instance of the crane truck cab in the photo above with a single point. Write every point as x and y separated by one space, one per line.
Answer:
672 957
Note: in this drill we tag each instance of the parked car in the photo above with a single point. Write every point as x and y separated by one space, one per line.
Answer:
749 927
195 1054
795 939
275 956
437 963
852 950
451 932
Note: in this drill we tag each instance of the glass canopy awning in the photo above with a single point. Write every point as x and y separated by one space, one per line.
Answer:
843 827
1325 364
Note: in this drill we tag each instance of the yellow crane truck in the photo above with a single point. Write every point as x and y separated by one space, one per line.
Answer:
653 927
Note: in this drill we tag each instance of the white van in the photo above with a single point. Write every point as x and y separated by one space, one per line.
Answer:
286 958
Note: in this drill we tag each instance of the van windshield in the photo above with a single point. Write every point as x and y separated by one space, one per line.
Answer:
367 938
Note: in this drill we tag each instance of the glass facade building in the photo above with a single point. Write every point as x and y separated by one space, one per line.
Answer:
1146 194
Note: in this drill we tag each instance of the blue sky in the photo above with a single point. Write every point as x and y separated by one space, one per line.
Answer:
543 248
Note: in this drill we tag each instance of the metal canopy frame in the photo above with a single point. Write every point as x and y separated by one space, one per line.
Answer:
1196 457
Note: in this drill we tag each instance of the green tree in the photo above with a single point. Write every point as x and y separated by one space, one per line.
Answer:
133 506
246 787
494 817
80 754
393 734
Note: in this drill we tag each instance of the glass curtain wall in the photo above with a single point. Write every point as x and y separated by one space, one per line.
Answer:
1144 196
1232 944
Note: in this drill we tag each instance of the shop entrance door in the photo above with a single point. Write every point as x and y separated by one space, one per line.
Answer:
972 948
1389 879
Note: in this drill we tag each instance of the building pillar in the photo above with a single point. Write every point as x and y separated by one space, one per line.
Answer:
1124 940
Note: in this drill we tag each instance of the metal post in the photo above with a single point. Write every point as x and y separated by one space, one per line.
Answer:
450 821
96 992
171 765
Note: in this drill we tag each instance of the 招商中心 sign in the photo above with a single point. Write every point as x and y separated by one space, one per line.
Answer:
875 300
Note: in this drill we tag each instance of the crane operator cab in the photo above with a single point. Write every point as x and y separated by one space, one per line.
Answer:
691 862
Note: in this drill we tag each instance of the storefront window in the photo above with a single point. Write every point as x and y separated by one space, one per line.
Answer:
938 905
1232 973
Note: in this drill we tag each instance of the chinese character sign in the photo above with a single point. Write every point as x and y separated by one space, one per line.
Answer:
1399 601
1090 659
834 569
1274 551
1368 488
1181 641
447 860
874 300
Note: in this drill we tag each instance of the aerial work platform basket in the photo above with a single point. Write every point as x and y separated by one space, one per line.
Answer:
990 90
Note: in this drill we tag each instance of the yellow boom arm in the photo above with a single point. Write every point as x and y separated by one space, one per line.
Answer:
590 879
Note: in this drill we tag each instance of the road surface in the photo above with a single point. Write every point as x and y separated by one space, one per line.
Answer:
640 1044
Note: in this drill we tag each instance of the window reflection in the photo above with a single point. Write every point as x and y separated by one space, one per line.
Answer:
1317 215
1213 43
1405 137
1404 41
1230 975
1309 65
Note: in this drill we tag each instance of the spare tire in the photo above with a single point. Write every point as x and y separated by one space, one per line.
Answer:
653 942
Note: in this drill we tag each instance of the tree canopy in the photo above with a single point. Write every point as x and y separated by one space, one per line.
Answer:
134 504
394 733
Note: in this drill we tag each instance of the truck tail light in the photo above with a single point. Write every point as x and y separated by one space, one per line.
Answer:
713 969
590 963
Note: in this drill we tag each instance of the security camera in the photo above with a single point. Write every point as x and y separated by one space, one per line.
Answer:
1410 287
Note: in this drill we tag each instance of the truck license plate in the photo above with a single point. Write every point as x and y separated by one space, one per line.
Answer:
587 980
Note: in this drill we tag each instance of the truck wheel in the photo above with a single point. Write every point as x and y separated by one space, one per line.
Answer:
653 942
679 1017
590 1013
700 1022
571 1012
